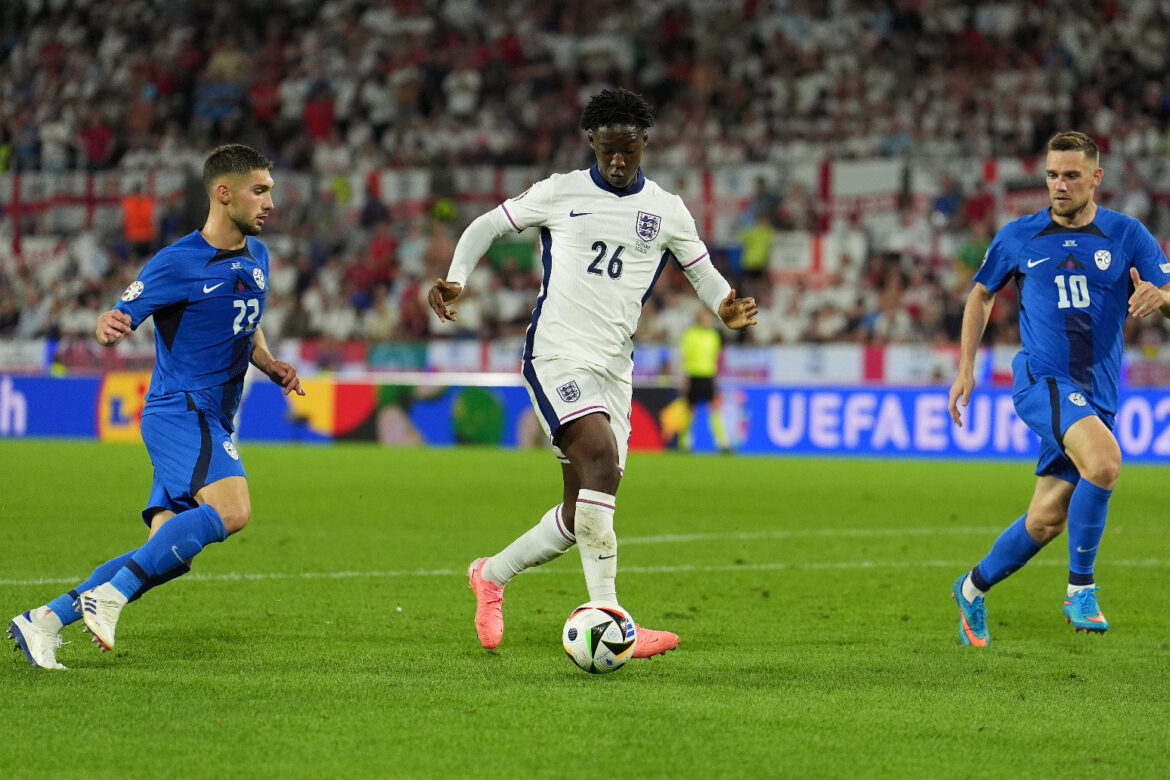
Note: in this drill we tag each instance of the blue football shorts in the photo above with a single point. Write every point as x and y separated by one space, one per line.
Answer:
1049 406
189 450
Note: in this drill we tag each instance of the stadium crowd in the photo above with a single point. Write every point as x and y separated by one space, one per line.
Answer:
353 86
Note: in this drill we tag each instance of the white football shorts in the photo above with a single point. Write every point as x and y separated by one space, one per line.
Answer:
562 390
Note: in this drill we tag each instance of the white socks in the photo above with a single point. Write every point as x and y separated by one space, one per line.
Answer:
549 538
598 544
970 592
540 544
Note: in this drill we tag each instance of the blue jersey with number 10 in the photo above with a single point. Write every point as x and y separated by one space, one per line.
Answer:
206 304
1074 287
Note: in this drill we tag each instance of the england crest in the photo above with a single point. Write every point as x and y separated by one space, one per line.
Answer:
648 226
569 392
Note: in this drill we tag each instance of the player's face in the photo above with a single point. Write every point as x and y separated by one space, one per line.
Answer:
1071 181
251 202
619 153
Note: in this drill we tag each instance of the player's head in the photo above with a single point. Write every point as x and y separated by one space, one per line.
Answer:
1072 172
616 121
239 179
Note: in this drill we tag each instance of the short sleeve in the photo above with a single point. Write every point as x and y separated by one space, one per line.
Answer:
999 262
1148 257
158 285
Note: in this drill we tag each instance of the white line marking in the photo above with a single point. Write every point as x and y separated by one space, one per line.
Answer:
675 569
809 533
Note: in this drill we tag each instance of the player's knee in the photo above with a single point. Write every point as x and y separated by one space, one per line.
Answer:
598 469
1104 472
235 516
1045 523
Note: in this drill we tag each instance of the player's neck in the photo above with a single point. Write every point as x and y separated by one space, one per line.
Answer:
221 233
1080 219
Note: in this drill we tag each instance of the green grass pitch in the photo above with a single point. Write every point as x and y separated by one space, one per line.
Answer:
333 637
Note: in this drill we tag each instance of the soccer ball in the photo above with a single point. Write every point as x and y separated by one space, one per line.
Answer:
599 639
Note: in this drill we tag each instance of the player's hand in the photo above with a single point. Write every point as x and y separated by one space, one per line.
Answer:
961 394
1146 298
738 313
285 375
111 327
440 295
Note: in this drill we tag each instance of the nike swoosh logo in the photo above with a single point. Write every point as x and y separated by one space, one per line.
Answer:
207 289
579 213
1033 263
1083 550
606 557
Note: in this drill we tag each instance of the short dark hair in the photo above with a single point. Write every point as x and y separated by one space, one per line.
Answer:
617 107
232 159
1074 141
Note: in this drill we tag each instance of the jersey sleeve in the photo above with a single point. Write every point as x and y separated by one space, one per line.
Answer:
1148 257
685 243
531 207
160 283
695 260
999 263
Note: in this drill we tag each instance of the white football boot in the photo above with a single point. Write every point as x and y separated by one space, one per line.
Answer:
100 608
38 641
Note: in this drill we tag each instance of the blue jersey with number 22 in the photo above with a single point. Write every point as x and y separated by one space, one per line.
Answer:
206 304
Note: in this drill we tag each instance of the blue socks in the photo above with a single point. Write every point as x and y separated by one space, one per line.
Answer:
1011 550
1086 525
62 606
174 545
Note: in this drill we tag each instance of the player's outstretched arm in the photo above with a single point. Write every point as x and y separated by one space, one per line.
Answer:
738 313
284 374
1147 298
442 294
111 327
976 313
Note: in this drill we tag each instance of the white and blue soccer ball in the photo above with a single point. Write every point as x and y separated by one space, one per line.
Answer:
599 639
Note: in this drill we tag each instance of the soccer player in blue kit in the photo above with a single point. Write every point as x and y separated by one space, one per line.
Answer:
206 293
1080 269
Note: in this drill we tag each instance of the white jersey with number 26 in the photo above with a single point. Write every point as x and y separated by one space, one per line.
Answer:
602 249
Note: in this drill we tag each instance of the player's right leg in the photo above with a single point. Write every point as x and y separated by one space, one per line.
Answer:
487 577
37 634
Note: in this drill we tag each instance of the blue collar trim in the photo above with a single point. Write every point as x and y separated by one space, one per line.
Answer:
633 189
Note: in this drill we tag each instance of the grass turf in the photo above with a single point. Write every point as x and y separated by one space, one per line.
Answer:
333 636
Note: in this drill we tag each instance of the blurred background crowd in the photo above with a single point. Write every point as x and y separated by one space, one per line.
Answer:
348 87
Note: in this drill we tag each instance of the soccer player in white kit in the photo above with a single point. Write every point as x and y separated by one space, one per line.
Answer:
606 234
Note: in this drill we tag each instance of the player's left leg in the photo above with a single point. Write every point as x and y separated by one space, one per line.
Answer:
1092 447
37 632
194 459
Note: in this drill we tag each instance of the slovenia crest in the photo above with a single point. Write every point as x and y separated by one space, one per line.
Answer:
1102 258
648 226
258 277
